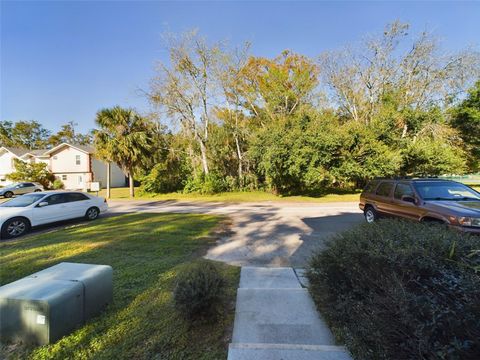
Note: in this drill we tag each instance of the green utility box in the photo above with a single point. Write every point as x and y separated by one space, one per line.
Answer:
40 311
97 281
49 304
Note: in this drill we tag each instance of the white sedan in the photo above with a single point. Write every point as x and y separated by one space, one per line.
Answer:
18 215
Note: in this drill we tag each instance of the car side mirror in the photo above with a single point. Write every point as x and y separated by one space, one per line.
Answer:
42 204
409 199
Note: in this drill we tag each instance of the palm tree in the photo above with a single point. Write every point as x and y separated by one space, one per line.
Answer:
125 138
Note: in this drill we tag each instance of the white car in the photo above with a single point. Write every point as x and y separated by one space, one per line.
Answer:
20 214
20 188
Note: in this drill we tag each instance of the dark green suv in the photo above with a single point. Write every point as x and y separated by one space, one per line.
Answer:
423 199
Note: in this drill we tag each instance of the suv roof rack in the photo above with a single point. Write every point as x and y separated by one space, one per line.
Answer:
410 178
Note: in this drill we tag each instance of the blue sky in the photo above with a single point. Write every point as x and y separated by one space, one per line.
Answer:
64 60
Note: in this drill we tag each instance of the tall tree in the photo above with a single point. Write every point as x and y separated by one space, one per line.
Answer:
466 119
68 134
278 87
26 134
6 133
415 70
125 138
228 72
186 88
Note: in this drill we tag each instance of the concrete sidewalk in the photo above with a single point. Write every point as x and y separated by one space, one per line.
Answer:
276 319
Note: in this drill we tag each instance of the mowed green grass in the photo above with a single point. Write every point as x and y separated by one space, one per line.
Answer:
146 252
235 196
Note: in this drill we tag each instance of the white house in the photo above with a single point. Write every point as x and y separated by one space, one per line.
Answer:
74 165
7 155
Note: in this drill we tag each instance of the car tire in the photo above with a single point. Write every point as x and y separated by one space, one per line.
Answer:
37 190
15 227
8 194
370 214
92 213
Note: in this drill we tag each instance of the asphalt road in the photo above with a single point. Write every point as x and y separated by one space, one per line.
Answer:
262 234
266 233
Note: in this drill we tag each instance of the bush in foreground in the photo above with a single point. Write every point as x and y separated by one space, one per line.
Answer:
200 288
401 290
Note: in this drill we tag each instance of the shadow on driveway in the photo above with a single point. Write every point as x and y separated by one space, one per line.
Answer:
323 228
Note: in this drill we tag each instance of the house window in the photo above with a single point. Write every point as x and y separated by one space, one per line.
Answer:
80 179
64 177
77 159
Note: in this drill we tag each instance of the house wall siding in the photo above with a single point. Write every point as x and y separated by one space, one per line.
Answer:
6 166
64 161
99 169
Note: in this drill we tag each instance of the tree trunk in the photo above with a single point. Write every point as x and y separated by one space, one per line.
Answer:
130 183
108 180
240 161
203 151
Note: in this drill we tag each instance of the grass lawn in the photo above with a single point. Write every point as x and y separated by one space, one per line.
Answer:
146 252
238 196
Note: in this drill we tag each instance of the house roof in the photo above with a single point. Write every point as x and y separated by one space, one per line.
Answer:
84 148
39 152
18 152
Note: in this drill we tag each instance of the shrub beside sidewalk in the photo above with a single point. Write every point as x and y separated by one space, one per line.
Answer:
401 290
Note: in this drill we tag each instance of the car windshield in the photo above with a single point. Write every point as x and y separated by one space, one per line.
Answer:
446 191
23 201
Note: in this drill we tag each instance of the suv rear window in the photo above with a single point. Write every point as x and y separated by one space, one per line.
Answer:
403 190
370 186
384 189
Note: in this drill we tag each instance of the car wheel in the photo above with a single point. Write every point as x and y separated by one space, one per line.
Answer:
92 213
370 215
15 227
37 190
8 194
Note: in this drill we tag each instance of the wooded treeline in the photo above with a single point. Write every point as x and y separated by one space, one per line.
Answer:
393 104
32 135
390 105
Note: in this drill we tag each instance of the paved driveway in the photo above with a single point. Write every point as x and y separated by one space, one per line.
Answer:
266 234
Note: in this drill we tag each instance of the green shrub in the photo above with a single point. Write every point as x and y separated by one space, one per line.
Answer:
58 184
401 290
200 288
166 176
212 183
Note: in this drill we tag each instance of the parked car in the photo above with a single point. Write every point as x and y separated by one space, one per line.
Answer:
20 214
424 199
20 189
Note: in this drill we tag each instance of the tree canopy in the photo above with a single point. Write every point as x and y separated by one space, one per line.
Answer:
393 104
125 138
